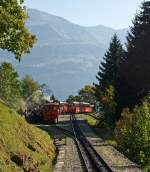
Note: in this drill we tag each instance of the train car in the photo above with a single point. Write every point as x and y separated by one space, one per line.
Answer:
88 108
64 108
78 107
85 108
74 108
50 112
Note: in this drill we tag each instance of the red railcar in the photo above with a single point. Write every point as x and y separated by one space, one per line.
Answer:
64 108
74 108
86 108
50 112
77 107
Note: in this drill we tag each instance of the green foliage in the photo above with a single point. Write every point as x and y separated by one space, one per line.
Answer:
18 94
86 94
29 144
108 73
108 105
135 69
109 80
14 36
29 86
10 86
31 92
90 120
133 133
72 99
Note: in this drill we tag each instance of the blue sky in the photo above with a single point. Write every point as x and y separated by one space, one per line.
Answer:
112 13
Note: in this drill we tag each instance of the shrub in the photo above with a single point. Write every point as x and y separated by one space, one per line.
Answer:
133 133
108 104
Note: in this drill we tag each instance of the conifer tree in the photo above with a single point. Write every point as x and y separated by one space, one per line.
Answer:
109 80
108 73
136 67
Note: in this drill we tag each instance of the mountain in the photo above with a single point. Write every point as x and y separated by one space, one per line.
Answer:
103 34
66 55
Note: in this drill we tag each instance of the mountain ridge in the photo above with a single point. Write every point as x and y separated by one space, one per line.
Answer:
66 55
67 20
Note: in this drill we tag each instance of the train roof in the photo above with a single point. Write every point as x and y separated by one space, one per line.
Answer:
64 103
52 104
81 103
84 103
76 102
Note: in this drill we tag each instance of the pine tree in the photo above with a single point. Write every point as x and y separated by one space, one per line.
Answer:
109 69
136 68
109 80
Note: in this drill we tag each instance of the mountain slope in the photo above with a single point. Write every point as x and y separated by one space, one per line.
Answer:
68 31
66 56
103 34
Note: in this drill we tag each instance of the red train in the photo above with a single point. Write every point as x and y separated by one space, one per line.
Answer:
51 111
77 107
64 108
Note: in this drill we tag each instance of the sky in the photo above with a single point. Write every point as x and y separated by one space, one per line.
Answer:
113 13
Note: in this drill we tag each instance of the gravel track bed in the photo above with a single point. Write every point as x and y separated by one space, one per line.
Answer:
68 159
117 161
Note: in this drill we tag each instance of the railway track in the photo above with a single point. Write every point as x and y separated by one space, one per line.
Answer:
98 163
90 159
86 164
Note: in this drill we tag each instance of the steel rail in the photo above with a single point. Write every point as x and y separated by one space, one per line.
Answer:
74 137
99 164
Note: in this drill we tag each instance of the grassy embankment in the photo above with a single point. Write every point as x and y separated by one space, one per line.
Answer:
103 131
23 148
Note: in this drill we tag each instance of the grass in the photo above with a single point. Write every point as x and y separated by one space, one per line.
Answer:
22 146
103 131
90 120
